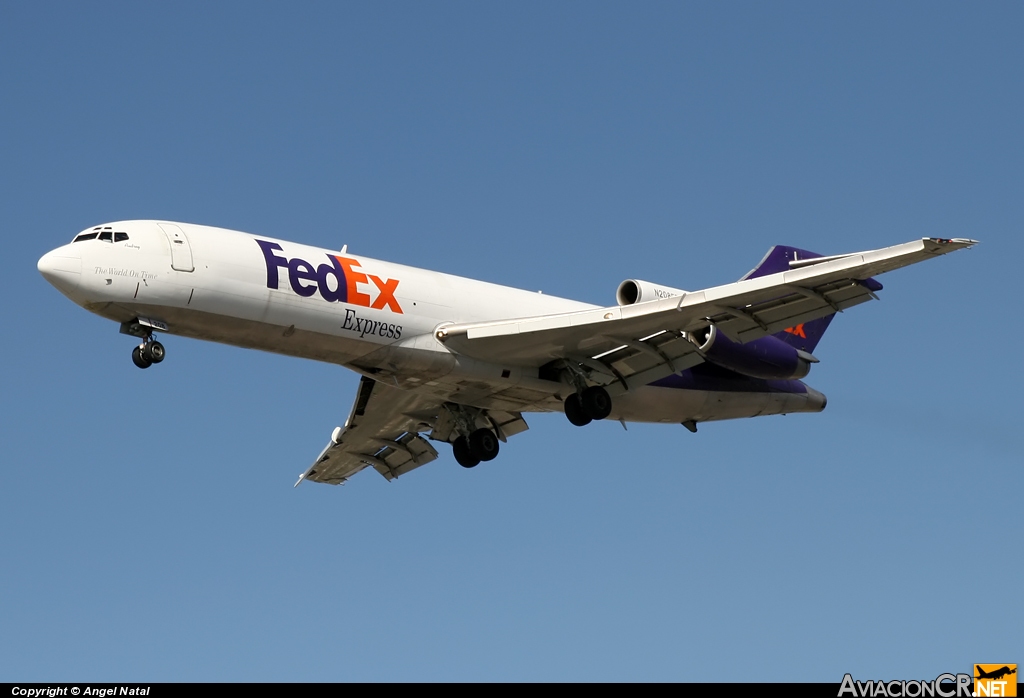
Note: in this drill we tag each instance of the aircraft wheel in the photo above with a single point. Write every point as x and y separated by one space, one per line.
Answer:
139 359
155 352
597 403
574 411
464 457
483 444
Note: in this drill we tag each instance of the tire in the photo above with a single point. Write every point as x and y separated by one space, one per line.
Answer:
484 444
463 456
597 403
574 411
139 360
155 352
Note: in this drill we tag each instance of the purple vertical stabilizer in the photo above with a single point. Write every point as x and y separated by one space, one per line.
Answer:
804 336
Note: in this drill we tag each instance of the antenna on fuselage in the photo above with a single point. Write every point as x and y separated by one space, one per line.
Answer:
344 249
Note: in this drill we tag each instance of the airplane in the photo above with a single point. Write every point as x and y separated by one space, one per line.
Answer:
446 359
996 674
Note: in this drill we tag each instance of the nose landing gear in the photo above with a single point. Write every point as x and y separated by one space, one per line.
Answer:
150 351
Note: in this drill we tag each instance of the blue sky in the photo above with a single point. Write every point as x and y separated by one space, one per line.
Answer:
150 530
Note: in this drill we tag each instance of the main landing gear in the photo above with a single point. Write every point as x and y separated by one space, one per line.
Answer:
588 402
148 353
473 443
482 445
591 403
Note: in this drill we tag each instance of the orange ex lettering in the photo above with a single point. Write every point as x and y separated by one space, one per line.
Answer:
346 279
352 277
387 293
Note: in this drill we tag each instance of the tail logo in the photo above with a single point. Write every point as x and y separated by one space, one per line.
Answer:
798 331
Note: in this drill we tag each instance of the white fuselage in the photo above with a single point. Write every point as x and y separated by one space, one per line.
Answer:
375 317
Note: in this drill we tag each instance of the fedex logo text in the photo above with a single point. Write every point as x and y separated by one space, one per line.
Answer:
306 279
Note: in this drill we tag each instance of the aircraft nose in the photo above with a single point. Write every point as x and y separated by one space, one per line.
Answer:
62 267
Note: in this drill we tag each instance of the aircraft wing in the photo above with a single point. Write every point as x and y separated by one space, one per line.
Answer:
638 344
382 431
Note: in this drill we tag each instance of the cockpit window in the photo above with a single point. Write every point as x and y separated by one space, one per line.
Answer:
105 235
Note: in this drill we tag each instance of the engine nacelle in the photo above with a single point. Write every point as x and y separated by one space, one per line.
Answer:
633 291
768 357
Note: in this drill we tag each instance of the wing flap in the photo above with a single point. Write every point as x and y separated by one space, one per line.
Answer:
398 457
769 317
644 360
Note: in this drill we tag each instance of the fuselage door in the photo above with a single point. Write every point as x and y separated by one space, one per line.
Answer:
181 251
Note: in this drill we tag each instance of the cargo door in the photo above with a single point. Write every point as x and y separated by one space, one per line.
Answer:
181 251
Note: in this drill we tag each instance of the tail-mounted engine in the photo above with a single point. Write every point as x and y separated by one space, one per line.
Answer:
768 357
633 291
